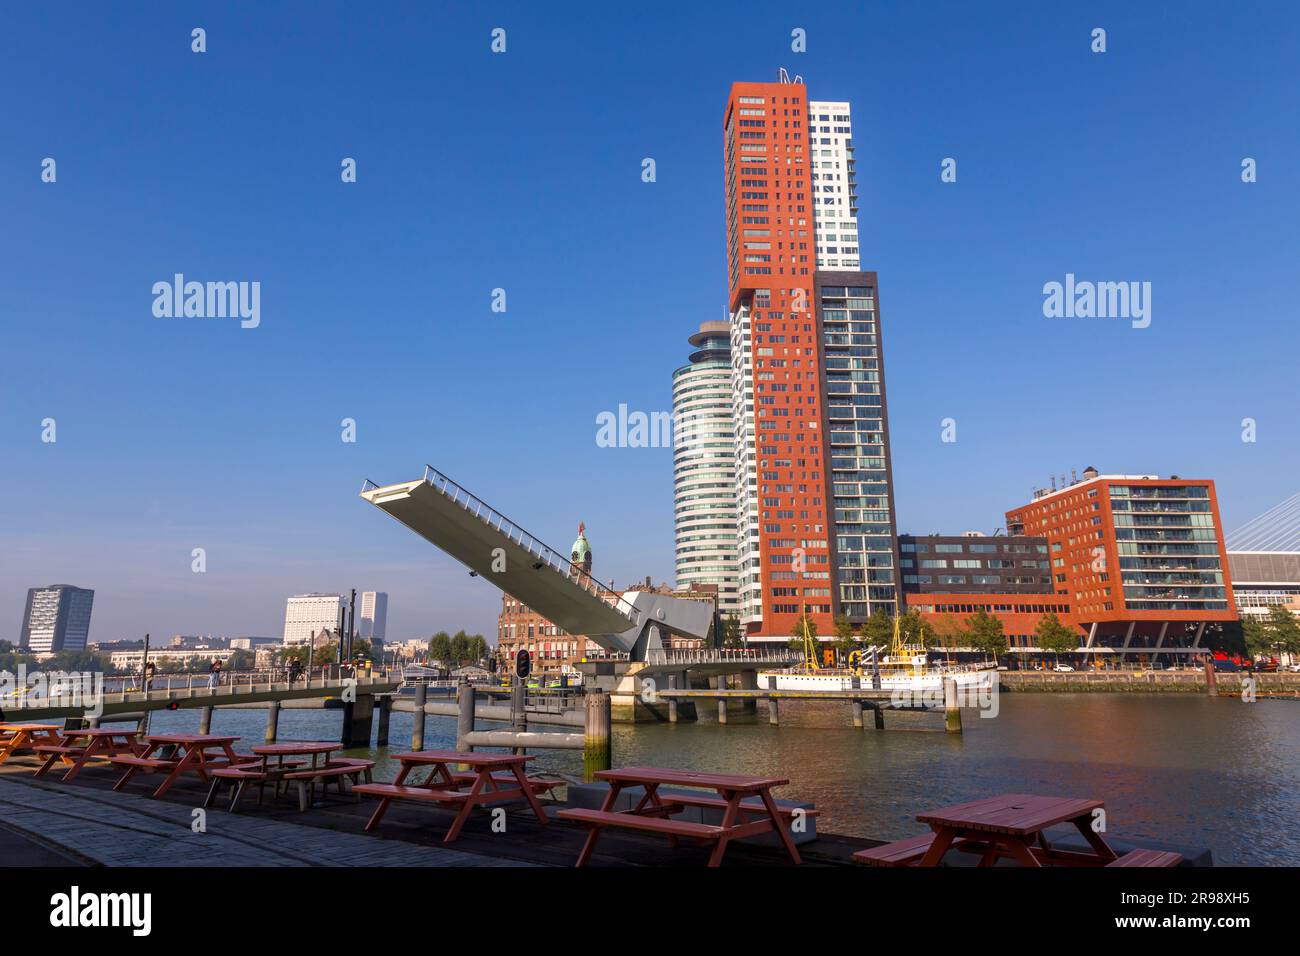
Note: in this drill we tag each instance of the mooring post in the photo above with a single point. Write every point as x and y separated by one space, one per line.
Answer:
518 710
417 717
205 720
464 715
1211 682
672 701
385 712
596 751
773 717
951 711
358 716
272 721
857 714
722 710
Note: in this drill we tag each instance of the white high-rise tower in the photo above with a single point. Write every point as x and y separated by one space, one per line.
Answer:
704 467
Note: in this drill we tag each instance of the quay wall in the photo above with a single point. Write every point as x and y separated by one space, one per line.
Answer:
1145 682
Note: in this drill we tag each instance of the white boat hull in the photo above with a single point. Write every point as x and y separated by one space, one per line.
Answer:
782 680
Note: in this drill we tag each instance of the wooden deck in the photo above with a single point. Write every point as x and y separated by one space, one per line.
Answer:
86 819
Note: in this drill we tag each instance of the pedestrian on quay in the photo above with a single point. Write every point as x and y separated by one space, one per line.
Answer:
214 674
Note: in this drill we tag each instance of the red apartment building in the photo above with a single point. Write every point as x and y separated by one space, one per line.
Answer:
1140 559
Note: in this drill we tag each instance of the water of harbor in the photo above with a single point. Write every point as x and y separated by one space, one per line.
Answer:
1181 769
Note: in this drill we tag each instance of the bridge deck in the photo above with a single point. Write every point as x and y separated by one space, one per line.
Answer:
221 696
499 551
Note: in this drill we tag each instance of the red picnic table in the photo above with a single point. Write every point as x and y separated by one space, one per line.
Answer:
1011 825
101 743
288 769
200 753
492 778
15 737
746 803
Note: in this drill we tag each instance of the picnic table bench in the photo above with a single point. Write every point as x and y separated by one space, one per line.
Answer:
199 754
492 779
1010 825
100 743
15 737
746 801
290 767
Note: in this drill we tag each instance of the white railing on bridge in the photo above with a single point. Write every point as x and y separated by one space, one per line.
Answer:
529 542
723 655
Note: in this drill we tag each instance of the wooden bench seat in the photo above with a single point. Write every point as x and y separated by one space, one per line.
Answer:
899 853
633 821
333 770
57 749
399 792
146 763
1148 858
538 784
707 802
241 772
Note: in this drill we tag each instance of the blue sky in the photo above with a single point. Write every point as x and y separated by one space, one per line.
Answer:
522 171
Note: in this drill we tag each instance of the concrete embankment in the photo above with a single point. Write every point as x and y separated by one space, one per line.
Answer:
1146 682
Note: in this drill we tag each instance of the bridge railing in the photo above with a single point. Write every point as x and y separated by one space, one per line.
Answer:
529 542
723 655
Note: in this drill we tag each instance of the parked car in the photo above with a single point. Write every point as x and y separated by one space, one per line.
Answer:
1063 669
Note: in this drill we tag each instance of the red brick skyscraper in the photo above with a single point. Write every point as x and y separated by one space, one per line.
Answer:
815 528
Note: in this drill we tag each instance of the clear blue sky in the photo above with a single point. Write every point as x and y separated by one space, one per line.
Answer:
522 171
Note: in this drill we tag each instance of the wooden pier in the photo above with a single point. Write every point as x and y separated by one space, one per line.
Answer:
861 699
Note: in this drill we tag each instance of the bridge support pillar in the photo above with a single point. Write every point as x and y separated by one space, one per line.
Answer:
205 719
357 719
417 717
749 681
272 721
773 714
857 714
672 701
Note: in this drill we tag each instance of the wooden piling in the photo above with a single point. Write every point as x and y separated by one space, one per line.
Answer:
773 717
417 717
272 721
857 714
951 711
596 750
672 701
722 710
205 720
385 712
464 715
879 713
1211 681
358 717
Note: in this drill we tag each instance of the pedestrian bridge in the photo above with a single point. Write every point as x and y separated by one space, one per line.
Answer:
83 701
496 549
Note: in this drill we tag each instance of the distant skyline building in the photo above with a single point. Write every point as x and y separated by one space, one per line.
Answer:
704 468
306 615
56 618
814 491
372 623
